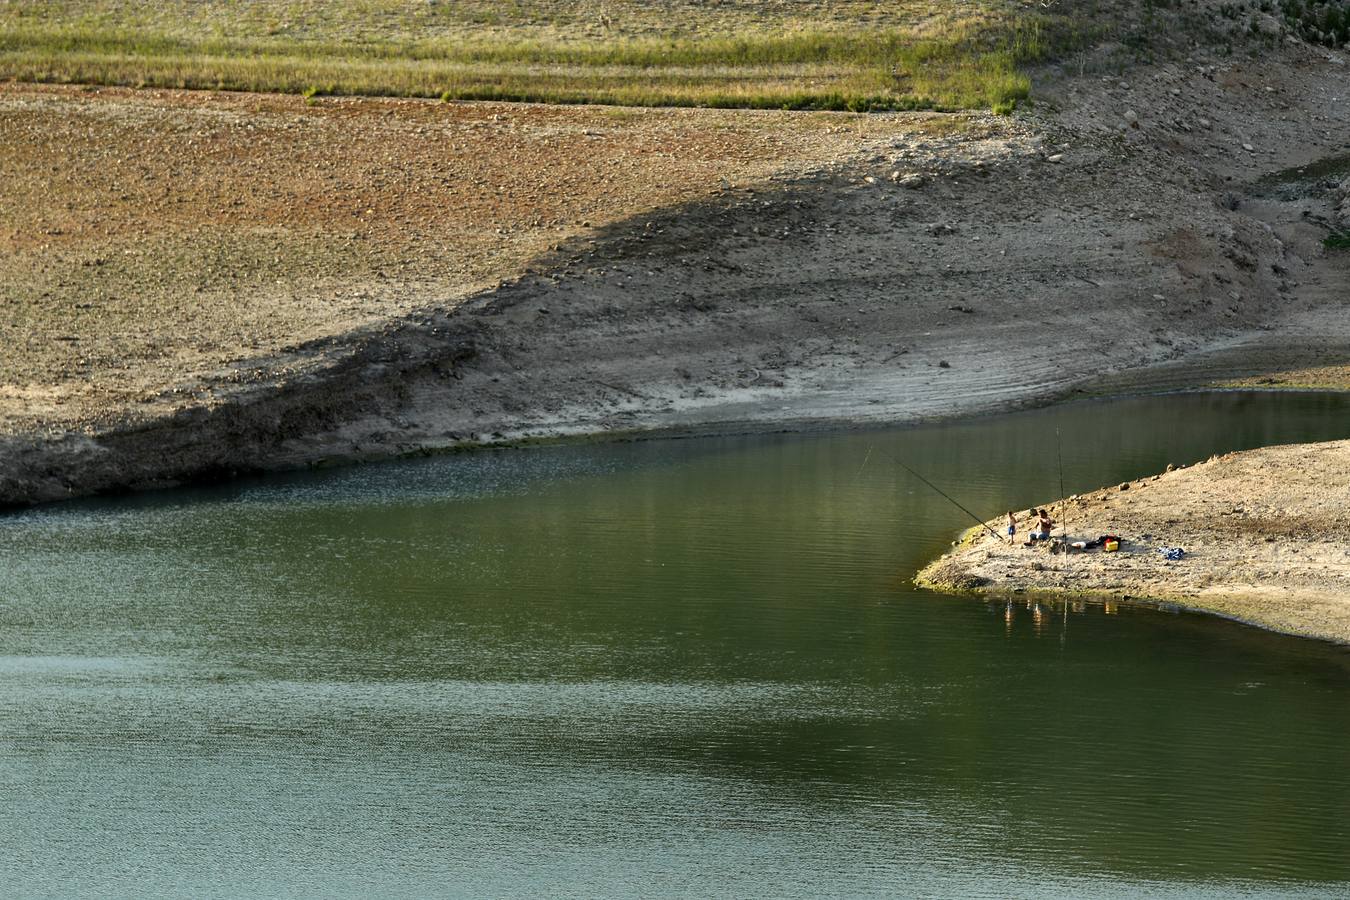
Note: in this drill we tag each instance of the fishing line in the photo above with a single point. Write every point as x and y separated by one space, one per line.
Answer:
865 459
947 496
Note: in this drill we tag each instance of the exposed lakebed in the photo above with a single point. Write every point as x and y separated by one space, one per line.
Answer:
670 668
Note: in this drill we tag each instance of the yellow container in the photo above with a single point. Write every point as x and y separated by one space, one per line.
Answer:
1111 547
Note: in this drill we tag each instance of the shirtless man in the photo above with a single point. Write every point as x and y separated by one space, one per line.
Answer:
1040 529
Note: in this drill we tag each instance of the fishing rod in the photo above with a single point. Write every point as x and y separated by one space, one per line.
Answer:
1064 500
947 496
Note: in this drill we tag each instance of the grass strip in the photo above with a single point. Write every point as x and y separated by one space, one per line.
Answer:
973 65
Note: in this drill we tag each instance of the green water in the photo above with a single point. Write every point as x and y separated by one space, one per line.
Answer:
683 668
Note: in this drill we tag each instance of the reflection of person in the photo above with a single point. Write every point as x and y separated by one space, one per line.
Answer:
1012 527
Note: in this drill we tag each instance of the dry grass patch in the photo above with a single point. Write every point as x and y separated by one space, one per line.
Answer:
796 55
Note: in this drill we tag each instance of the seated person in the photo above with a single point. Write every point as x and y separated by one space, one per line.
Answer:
1040 529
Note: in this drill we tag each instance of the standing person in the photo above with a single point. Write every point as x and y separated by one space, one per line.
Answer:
1012 528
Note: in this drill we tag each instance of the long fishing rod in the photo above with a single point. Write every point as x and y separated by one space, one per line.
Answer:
947 496
1064 521
1064 500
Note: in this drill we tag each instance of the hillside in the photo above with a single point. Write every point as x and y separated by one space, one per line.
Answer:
198 283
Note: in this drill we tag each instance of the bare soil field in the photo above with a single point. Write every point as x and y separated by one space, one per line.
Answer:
150 238
1264 533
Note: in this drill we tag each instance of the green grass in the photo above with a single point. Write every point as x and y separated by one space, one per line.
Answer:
535 52
1337 240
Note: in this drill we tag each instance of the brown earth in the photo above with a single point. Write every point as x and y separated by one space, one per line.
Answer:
197 284
1264 533
150 238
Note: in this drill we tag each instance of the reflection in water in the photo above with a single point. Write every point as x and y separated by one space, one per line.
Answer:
1049 615
675 668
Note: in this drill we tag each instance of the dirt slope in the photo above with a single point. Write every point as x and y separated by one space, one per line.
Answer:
150 237
378 295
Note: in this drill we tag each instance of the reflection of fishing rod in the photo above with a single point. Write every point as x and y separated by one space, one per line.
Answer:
1063 500
947 496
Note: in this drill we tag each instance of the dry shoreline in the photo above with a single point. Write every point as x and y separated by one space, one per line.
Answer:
846 270
1263 532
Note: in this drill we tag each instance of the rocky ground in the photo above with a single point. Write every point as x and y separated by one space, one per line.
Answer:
199 284
1264 533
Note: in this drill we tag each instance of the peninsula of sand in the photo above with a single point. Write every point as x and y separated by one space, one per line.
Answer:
1265 536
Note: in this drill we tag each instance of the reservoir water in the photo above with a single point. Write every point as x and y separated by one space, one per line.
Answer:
679 668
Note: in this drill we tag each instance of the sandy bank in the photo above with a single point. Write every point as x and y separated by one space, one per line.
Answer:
1265 534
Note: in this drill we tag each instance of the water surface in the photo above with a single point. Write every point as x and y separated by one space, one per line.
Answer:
680 668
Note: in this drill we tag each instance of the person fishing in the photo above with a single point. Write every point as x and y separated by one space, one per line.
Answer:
1045 524
1041 528
1012 528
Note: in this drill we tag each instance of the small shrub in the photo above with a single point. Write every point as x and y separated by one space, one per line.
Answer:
1319 21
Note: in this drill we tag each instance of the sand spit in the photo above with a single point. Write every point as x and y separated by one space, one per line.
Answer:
1266 535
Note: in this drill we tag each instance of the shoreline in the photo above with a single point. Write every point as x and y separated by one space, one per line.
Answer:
711 429
342 417
1158 603
216 446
